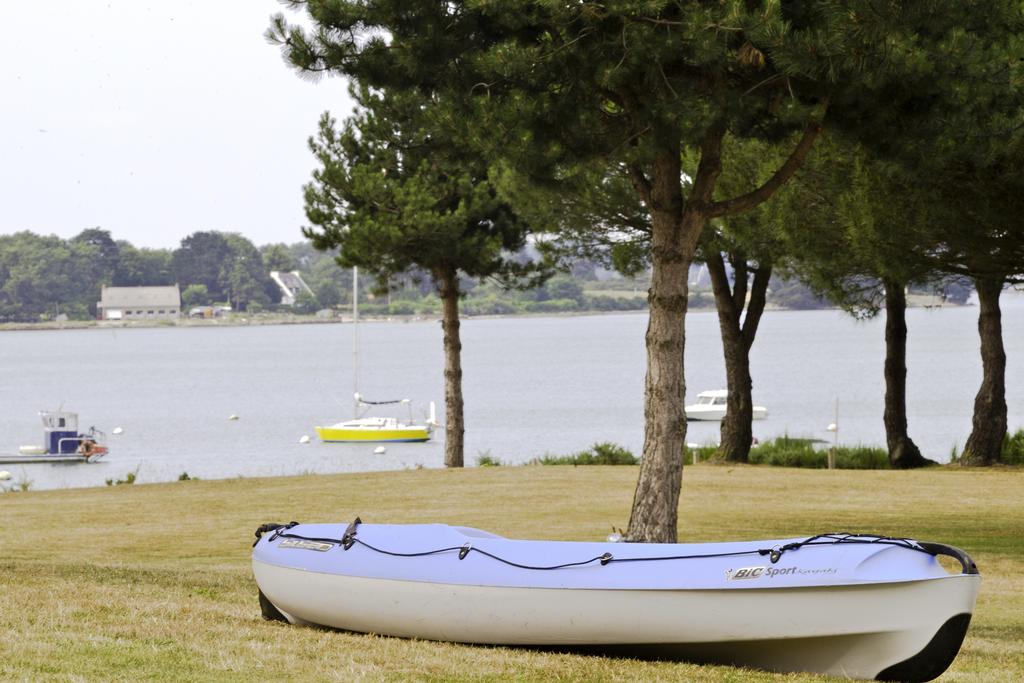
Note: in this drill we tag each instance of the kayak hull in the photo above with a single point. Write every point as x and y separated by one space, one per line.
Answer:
855 629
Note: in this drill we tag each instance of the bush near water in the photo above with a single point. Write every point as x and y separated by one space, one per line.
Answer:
788 451
783 451
599 454
604 453
1013 449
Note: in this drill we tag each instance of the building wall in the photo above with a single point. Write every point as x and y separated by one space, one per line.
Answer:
142 313
139 303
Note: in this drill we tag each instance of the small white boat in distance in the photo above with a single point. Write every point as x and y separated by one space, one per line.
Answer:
710 406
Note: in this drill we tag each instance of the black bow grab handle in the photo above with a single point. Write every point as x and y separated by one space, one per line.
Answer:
939 549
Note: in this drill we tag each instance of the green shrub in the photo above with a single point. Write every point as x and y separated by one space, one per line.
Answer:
368 309
599 454
486 460
23 484
786 451
428 305
305 303
1013 448
401 308
704 453
861 458
551 306
128 480
489 305
603 302
564 287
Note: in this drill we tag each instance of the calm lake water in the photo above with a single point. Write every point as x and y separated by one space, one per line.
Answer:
532 386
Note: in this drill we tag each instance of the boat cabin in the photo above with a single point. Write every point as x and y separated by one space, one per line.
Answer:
60 432
711 398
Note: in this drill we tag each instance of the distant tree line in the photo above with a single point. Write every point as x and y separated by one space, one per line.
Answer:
45 276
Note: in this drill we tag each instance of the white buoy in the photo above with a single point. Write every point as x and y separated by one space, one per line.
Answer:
380 450
304 438
232 417
117 430
4 475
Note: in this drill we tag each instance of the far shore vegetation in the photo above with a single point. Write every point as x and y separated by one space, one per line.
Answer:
100 584
46 279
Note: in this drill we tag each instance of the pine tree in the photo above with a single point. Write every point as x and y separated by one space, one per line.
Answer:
856 233
394 191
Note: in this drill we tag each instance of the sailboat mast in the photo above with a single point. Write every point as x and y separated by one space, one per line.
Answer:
355 338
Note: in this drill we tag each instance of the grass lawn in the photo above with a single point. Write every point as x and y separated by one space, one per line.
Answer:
152 582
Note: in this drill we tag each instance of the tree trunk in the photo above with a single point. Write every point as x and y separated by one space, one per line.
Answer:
737 433
903 452
675 232
985 444
454 427
654 515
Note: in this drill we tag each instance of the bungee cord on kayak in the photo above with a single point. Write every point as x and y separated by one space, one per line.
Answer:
349 538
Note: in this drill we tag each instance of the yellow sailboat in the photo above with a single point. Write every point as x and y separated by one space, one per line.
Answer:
377 428
361 428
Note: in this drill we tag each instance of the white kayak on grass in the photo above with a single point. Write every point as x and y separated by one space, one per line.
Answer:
841 604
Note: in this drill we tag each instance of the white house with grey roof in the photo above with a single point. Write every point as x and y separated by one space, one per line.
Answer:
291 285
139 303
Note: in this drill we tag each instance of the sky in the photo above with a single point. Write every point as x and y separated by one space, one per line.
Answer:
154 120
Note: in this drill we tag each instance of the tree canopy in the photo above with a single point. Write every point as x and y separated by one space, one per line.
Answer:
392 192
550 86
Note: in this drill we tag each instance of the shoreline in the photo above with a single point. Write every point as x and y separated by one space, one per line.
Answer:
259 319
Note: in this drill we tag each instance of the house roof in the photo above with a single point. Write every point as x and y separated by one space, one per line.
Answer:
290 282
118 297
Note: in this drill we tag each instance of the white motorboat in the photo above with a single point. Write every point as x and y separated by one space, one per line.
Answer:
711 405
842 604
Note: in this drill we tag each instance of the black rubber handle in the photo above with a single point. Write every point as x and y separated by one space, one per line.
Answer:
939 549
